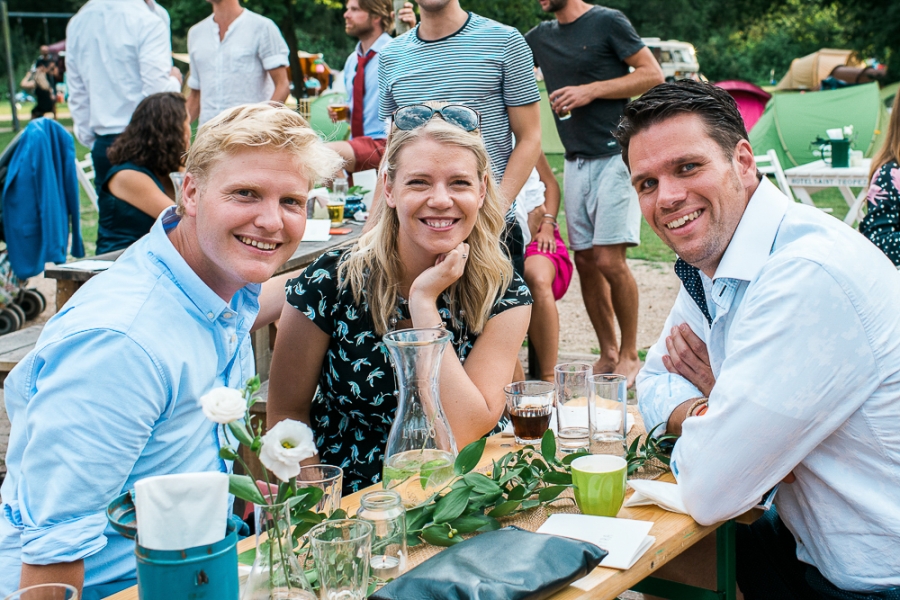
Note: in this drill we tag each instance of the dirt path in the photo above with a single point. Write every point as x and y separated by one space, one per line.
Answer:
657 288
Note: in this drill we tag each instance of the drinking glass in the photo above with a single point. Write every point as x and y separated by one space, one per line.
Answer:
45 591
384 510
530 404
342 551
329 479
608 406
177 178
573 423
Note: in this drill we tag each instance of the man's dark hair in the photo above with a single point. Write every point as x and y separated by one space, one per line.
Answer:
154 139
714 105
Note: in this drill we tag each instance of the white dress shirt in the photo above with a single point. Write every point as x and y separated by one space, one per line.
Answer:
805 347
235 70
118 52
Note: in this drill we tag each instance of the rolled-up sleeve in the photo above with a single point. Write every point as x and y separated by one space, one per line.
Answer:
659 392
87 425
273 50
799 364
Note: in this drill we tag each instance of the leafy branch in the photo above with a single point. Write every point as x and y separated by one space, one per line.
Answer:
644 450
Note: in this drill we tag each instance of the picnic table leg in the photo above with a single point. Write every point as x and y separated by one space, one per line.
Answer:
856 204
726 561
65 289
803 195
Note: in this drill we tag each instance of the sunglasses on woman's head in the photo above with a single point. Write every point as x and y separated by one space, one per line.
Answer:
416 115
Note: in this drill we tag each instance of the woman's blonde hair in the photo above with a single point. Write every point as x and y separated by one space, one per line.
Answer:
269 126
374 268
890 150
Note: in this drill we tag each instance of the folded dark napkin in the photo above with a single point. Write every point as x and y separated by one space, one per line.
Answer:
507 564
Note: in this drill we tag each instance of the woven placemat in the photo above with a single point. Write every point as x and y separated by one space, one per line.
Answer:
531 520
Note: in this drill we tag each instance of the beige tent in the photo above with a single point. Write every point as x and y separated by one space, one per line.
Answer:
807 72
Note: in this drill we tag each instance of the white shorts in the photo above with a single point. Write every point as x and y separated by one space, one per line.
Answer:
602 207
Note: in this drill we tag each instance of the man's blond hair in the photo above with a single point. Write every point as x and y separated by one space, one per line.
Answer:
268 126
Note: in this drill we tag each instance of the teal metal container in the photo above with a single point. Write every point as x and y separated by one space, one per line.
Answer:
204 572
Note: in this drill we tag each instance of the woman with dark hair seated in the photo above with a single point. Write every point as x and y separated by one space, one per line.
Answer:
138 188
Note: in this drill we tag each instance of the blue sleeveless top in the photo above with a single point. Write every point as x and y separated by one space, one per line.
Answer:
122 224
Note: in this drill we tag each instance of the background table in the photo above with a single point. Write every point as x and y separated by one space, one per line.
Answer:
815 176
674 534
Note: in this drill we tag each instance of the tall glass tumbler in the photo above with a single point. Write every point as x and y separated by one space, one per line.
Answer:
342 551
327 478
608 402
573 423
530 405
45 591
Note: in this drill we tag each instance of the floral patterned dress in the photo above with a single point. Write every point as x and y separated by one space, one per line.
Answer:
882 222
354 406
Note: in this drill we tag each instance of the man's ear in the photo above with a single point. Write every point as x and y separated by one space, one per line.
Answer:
190 194
746 163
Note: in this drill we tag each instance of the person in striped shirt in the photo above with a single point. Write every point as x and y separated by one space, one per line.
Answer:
459 57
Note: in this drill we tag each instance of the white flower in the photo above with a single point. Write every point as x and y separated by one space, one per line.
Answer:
223 405
284 446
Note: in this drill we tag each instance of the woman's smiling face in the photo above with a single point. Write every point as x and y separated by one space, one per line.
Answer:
437 193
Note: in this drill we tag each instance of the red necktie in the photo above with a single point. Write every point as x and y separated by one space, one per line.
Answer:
359 93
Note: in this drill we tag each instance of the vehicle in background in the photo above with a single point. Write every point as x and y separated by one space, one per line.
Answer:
677 59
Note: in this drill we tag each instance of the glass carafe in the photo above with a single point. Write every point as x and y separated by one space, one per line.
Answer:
418 460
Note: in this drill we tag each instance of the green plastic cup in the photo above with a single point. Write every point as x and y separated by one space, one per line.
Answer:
599 483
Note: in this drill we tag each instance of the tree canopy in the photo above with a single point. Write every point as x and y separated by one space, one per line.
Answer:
752 40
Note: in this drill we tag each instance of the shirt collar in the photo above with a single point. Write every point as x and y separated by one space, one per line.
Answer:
382 41
751 244
161 250
215 26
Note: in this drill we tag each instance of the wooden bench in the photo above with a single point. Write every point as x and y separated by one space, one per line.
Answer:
14 346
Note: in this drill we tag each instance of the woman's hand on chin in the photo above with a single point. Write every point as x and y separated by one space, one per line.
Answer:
447 269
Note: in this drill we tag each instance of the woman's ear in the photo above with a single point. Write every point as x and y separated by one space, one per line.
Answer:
482 193
388 189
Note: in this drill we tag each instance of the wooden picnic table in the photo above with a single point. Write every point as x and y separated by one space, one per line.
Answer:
674 534
69 279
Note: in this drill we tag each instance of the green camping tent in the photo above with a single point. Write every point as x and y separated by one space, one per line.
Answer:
793 119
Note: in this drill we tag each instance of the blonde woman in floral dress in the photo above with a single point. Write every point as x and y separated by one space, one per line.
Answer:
432 260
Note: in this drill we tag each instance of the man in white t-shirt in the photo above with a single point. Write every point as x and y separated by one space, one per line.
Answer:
237 57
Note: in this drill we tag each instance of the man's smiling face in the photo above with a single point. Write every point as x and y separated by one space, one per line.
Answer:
249 217
691 193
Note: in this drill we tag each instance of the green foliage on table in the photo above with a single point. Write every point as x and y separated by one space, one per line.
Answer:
518 481
644 450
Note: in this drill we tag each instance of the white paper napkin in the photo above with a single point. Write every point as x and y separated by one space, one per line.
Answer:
317 230
175 512
662 494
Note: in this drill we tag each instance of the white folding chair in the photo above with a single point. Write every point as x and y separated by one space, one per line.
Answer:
768 164
85 170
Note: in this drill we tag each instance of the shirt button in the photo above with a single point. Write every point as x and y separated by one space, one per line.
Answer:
210 315
228 315
233 338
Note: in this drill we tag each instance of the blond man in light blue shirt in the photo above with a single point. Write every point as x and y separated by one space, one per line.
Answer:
110 394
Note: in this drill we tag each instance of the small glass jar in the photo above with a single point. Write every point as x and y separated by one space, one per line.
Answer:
384 509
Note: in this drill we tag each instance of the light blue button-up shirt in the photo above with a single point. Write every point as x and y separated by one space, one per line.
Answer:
110 395
373 127
805 347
